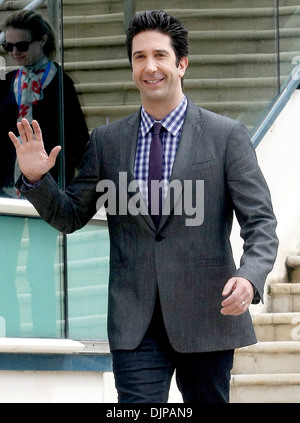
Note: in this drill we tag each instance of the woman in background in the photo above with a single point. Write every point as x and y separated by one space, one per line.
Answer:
33 91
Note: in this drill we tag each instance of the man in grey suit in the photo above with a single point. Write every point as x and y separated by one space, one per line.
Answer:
176 299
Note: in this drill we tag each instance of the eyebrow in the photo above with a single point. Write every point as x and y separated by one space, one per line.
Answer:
158 50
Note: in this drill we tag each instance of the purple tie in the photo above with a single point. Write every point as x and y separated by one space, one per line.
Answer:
155 174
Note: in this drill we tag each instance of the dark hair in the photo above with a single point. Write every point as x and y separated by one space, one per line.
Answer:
38 27
160 21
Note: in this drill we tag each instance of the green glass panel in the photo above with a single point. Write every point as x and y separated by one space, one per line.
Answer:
31 295
88 261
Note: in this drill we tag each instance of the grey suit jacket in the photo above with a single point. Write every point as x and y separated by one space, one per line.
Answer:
188 265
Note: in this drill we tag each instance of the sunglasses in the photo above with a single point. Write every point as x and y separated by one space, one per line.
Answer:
21 46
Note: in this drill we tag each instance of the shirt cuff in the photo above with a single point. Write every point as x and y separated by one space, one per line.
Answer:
28 184
256 298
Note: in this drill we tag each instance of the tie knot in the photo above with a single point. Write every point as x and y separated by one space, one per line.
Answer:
157 128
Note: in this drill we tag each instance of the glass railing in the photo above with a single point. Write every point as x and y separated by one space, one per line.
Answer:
32 254
288 58
44 292
31 283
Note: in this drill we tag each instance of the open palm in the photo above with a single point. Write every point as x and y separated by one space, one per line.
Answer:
33 160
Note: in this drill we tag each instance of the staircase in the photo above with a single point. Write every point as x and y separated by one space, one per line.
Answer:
269 371
232 67
233 61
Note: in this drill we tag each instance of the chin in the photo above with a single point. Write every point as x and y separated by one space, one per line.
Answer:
20 62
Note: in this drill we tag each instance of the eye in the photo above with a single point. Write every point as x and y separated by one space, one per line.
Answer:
138 57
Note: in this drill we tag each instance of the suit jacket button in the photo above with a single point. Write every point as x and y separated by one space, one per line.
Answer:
158 238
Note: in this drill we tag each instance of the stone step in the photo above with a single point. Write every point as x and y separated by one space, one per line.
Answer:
249 112
217 66
215 4
93 25
293 266
284 297
265 388
89 25
268 358
201 42
277 326
92 7
113 6
225 89
95 48
100 115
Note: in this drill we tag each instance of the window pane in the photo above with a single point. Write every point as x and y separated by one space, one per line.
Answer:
31 294
88 258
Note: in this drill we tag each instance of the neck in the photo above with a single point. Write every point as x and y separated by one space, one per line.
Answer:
158 109
37 64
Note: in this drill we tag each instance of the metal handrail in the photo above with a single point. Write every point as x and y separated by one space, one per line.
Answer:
277 105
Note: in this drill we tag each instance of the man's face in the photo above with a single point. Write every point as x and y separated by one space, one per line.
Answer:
155 72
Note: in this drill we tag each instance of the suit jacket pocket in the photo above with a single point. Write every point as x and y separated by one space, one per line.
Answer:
215 261
208 164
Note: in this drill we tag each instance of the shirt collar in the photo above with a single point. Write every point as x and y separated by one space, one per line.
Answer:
172 122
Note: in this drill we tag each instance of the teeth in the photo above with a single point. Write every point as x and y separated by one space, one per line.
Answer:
153 82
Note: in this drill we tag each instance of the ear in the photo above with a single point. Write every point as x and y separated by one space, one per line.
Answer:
183 64
44 39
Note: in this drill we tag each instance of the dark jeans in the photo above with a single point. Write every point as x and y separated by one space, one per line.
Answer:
144 375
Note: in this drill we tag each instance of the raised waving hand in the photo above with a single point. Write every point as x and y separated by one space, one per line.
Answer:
33 160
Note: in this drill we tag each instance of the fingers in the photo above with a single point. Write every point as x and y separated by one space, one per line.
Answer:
26 132
240 295
37 131
14 139
54 153
229 287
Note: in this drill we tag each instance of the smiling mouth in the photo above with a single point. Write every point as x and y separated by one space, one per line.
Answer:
153 81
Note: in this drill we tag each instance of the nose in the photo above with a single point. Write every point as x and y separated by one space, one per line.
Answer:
15 50
151 65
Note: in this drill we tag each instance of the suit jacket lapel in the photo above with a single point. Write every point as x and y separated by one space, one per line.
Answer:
128 140
188 145
127 158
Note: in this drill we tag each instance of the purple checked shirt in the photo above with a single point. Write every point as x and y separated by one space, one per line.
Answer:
172 124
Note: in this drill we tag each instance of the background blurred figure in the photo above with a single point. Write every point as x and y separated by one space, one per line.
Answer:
34 91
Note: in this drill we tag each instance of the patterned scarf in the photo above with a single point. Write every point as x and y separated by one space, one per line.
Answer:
28 88
29 84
